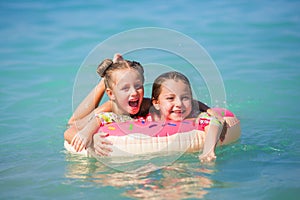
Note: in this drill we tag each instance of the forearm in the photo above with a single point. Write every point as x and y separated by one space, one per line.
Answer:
70 133
89 103
81 123
211 140
92 126
105 107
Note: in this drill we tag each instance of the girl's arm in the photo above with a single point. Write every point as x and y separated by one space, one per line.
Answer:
212 136
105 107
84 137
81 123
215 131
212 133
90 102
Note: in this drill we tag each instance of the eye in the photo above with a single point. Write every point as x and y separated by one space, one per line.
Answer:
138 86
170 98
125 88
186 98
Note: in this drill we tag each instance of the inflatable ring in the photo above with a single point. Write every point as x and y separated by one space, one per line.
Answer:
140 137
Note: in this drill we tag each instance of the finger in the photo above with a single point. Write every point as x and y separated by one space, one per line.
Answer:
101 138
106 148
101 152
81 147
107 142
103 149
102 134
73 140
208 159
211 158
77 145
104 144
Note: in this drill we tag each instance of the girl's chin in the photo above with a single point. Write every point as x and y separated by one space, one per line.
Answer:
176 118
133 110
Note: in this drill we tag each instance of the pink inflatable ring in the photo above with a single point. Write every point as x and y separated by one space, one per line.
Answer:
139 137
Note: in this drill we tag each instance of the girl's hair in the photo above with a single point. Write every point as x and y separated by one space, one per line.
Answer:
107 67
173 75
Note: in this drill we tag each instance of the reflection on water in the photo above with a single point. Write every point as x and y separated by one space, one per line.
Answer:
180 180
173 183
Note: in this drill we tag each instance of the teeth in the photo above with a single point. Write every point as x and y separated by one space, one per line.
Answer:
177 111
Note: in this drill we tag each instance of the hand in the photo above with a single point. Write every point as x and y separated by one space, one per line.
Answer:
207 158
80 141
101 144
117 57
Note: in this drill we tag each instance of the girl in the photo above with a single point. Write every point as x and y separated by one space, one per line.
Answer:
172 100
123 82
89 106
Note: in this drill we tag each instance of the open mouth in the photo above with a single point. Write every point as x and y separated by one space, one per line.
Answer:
133 103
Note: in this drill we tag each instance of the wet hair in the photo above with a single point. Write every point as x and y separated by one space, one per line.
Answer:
107 67
173 75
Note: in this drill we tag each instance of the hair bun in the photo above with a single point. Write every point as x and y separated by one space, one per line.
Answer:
103 66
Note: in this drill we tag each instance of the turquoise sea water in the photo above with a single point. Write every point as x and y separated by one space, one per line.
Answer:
255 45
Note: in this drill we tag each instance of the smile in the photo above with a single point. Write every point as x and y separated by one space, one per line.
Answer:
178 112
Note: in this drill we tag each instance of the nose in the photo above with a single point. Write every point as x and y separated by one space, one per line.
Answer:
178 102
133 91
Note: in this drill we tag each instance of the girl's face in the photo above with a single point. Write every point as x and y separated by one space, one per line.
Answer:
127 91
174 101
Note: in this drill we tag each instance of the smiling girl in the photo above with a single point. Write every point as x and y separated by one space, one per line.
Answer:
123 82
172 100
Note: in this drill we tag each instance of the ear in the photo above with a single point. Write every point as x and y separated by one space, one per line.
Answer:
110 94
156 104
